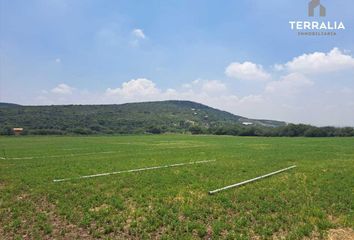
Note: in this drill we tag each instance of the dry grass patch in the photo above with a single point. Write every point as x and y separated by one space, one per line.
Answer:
103 207
341 234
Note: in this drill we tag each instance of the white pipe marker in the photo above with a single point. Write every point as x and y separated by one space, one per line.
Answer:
133 170
251 180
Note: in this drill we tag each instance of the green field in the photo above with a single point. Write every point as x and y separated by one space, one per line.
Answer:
309 201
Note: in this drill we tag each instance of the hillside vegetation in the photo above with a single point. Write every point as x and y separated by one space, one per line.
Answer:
146 117
165 116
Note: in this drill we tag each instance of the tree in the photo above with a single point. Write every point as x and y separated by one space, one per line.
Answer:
315 132
196 130
6 131
154 130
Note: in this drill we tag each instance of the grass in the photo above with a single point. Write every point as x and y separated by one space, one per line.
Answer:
173 203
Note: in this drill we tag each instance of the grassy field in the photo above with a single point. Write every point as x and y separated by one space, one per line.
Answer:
311 201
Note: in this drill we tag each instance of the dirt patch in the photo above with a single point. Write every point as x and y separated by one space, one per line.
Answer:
181 218
61 228
50 225
2 232
209 231
22 196
333 234
159 233
280 235
341 234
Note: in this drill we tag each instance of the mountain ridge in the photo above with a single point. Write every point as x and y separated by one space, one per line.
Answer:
138 117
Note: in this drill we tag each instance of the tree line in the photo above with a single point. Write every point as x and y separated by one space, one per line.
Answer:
290 130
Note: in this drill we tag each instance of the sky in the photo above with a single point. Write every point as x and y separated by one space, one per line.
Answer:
239 56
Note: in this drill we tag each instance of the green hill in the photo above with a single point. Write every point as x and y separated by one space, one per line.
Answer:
153 117
3 105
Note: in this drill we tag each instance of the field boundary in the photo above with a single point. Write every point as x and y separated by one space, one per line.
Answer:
134 170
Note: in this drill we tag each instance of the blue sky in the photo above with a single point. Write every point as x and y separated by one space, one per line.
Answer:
239 56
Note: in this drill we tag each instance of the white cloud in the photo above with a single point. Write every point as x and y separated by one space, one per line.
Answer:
278 67
186 85
206 86
144 89
138 33
320 62
213 86
289 84
134 88
62 89
246 71
252 99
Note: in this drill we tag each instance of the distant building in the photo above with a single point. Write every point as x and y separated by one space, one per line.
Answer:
247 123
17 131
